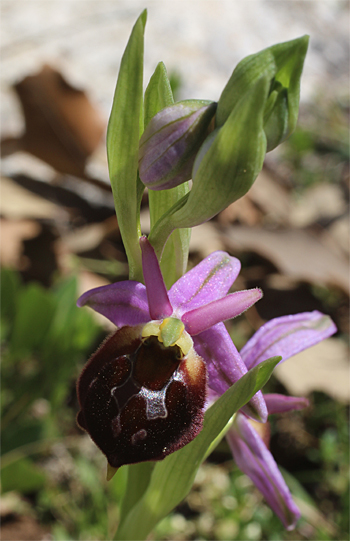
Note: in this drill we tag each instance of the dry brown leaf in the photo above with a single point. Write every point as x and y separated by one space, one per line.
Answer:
320 201
13 233
296 253
62 127
272 198
245 212
18 203
205 239
24 527
324 367
339 233
265 198
88 237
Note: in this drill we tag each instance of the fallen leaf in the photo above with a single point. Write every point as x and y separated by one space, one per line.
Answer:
324 367
205 239
323 201
339 234
266 200
62 127
13 233
296 253
272 198
24 527
84 239
18 203
245 212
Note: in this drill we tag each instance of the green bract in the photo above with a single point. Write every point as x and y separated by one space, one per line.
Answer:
283 65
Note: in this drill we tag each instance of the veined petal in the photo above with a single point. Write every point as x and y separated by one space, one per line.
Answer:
123 303
206 282
202 318
225 367
158 300
256 461
278 403
287 336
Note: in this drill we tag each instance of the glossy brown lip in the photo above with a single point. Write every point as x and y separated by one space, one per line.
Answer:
139 399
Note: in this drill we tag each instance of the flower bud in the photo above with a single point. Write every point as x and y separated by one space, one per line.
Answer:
225 167
282 64
139 399
170 142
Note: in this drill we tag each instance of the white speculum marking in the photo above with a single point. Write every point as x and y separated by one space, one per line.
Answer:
155 403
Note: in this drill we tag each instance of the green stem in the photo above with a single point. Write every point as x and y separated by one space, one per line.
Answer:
163 228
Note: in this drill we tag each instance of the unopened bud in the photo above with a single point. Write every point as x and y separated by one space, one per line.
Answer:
282 64
169 145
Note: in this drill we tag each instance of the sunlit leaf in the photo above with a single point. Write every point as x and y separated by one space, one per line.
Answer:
122 144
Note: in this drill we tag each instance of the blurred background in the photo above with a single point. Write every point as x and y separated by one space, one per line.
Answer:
60 237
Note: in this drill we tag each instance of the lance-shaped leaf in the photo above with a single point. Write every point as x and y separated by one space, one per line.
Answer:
139 476
172 478
122 144
158 93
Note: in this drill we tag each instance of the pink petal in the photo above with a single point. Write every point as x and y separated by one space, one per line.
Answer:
123 303
287 336
208 281
225 366
202 318
278 403
158 300
256 461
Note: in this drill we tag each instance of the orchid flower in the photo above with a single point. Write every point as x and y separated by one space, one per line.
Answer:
288 335
143 394
187 317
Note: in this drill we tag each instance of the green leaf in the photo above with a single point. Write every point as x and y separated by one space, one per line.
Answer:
122 145
9 290
22 476
139 476
173 477
158 93
175 256
35 311
282 62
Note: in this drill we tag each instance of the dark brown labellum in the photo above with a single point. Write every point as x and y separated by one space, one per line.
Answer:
139 399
